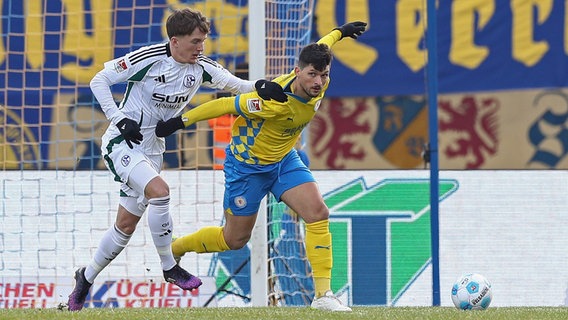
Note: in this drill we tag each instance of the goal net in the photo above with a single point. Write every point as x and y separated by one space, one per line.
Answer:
57 198
288 30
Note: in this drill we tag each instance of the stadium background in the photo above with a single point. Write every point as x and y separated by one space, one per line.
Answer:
502 105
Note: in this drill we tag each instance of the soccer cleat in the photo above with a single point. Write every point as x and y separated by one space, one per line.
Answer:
80 292
176 258
181 278
329 302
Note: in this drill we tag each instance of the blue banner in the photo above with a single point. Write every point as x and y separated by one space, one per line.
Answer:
483 45
50 50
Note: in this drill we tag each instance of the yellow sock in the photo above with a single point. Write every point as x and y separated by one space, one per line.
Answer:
319 252
324 284
207 239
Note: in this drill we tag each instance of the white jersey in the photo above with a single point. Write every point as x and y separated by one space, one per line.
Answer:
158 88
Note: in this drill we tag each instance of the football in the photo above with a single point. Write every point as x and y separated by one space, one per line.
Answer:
472 292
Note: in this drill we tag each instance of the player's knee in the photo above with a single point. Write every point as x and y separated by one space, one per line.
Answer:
237 243
157 188
321 212
314 213
126 227
125 221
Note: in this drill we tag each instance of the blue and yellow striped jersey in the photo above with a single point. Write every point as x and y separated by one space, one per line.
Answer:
266 130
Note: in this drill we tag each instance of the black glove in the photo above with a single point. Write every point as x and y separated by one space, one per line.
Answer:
270 90
165 128
130 131
352 29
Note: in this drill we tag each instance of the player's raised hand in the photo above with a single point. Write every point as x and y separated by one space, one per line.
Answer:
352 29
270 90
166 128
130 131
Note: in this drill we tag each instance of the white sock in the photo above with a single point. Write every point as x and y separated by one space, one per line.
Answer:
161 227
112 243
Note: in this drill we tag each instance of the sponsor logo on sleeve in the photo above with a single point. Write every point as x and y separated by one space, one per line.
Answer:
120 65
254 105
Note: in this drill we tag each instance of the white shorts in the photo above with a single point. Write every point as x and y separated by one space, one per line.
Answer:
121 160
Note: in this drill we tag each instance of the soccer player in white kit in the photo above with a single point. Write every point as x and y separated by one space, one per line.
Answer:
161 80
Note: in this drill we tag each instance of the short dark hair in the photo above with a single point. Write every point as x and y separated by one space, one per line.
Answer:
318 55
184 21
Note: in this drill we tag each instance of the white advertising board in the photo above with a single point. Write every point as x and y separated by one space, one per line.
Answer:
509 226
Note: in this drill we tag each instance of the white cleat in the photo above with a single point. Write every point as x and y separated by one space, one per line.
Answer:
329 302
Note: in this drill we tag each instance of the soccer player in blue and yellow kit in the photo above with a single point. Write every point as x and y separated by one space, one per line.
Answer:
261 158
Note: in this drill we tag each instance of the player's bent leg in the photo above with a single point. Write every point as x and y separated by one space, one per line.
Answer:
206 239
144 179
306 200
161 228
232 236
238 229
110 246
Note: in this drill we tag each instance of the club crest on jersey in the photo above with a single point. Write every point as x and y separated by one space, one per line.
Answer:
189 81
254 105
120 65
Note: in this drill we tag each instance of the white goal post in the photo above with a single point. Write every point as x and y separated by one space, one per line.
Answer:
258 242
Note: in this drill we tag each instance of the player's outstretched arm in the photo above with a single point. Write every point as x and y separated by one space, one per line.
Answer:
208 110
352 29
266 89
